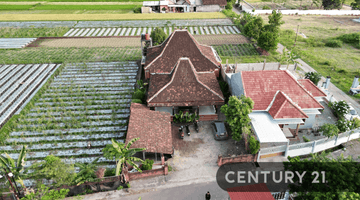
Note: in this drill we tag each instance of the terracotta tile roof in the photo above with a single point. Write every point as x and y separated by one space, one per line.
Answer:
312 88
152 127
215 2
250 192
261 87
282 108
184 87
163 58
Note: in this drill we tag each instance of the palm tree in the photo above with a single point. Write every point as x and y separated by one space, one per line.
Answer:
7 164
86 172
126 155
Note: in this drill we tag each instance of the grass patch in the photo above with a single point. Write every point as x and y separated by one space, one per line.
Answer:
236 50
273 57
110 17
85 7
15 7
32 32
60 55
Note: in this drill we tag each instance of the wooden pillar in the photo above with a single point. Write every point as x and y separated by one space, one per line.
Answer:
279 66
162 159
155 156
264 64
143 155
297 130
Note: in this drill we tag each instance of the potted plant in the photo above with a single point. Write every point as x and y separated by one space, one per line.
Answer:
163 10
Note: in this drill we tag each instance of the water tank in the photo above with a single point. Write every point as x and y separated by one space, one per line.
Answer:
147 36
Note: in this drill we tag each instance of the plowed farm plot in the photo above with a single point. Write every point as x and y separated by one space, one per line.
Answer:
89 42
236 50
221 39
85 103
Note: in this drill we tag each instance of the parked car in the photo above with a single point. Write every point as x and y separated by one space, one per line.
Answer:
352 114
220 132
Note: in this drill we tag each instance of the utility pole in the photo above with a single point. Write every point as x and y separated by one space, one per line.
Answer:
296 34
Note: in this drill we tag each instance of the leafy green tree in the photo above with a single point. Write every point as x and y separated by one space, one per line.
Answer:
275 19
332 4
254 145
341 176
329 130
52 168
340 108
316 2
237 115
228 6
7 164
314 77
44 193
344 125
86 172
355 5
355 123
158 36
254 27
268 40
126 155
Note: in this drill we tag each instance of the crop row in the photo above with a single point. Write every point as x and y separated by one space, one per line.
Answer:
89 112
95 93
101 74
94 123
90 89
86 97
105 106
95 117
76 103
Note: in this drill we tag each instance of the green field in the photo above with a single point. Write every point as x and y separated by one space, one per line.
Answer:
236 50
75 0
32 32
67 7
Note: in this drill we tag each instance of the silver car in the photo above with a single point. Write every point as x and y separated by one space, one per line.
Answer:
220 132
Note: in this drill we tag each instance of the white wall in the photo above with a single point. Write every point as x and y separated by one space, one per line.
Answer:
208 8
307 12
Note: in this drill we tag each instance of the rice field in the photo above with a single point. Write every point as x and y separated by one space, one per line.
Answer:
84 102
8 32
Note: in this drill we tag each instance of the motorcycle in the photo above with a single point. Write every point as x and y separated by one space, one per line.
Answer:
196 124
187 130
181 133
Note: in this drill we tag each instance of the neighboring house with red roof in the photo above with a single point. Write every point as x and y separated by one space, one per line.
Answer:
250 192
282 104
184 88
153 128
186 5
180 44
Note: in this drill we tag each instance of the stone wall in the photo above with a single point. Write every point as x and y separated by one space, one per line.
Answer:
148 173
236 159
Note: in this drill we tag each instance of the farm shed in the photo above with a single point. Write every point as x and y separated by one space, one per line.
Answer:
153 128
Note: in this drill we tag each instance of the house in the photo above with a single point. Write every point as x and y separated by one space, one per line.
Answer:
255 191
185 89
163 58
186 5
154 130
282 104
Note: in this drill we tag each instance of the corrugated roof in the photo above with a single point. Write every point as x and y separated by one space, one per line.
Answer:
261 87
152 127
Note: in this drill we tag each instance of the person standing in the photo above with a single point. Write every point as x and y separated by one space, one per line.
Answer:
207 196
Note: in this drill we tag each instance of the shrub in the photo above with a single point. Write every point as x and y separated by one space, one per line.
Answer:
128 185
158 36
254 145
352 38
120 187
228 6
329 130
44 193
355 5
268 40
332 4
333 43
305 139
314 77
355 123
343 125
147 164
266 7
139 94
339 108
137 9
164 9
136 101
225 90
110 172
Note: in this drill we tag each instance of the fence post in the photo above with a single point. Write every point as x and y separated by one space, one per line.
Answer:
336 140
287 148
258 156
313 149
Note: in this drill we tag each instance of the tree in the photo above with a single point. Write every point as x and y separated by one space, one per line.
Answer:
340 108
329 130
314 77
355 5
275 19
342 177
52 168
237 115
254 145
86 172
268 40
332 4
7 165
126 156
254 27
45 194
158 36
344 125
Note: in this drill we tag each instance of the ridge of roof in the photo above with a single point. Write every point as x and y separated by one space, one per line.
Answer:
297 82
242 82
288 99
173 76
309 81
